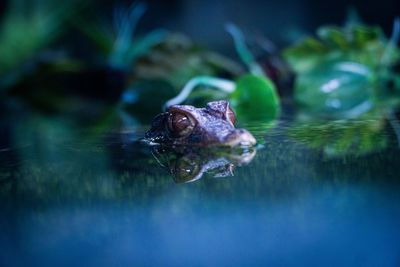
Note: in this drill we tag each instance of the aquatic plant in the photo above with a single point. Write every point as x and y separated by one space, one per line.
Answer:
118 43
345 71
26 29
253 96
165 69
177 59
59 79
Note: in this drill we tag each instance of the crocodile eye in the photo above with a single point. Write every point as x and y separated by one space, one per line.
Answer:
230 115
180 124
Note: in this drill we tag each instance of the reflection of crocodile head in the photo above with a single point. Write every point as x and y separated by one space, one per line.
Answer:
188 165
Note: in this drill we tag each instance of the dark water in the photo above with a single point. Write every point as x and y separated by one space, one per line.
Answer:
325 194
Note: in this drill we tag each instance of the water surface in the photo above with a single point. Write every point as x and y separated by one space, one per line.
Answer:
322 194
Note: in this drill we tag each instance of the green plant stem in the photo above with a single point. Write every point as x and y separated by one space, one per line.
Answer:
221 84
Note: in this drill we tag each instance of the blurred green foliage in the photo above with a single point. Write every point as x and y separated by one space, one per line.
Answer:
356 43
28 27
177 59
252 96
117 43
166 68
345 71
255 96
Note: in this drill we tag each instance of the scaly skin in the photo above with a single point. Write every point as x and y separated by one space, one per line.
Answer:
185 125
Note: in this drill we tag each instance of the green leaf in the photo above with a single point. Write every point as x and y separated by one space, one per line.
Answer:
255 97
357 43
362 35
341 89
334 36
341 73
305 55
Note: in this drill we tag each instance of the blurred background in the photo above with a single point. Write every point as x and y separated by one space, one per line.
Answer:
68 45
280 21
204 20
